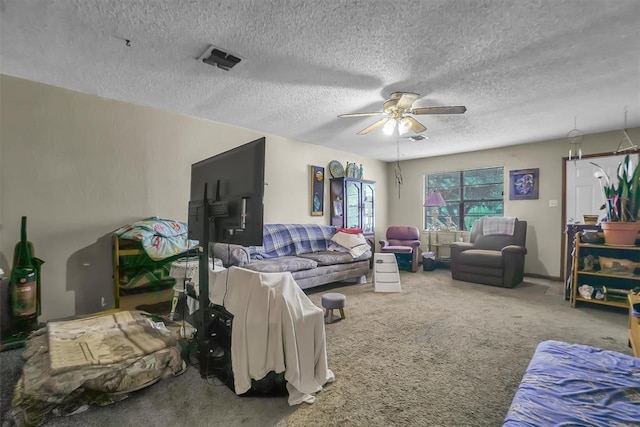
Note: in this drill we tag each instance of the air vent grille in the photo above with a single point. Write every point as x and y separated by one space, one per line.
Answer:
417 138
217 57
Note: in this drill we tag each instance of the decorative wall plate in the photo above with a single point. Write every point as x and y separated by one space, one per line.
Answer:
336 169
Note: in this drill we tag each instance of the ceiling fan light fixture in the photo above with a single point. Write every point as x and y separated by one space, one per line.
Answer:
389 127
394 110
404 126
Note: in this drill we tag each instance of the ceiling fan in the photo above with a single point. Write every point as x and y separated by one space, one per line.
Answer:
396 110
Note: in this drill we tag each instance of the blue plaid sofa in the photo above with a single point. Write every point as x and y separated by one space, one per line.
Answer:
305 250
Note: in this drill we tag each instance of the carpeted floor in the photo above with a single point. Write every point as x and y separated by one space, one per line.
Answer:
440 353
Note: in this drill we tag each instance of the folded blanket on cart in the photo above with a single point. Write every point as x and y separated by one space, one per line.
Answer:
160 238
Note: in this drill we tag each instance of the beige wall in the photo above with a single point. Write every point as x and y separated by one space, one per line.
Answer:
545 228
79 166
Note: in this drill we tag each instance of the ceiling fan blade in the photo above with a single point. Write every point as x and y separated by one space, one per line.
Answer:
439 110
416 126
406 100
373 126
377 113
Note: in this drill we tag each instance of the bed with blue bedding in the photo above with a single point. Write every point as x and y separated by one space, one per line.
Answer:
577 385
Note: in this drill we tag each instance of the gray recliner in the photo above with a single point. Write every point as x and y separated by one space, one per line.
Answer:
491 259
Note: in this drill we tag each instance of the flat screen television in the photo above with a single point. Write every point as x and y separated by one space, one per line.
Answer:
226 206
233 202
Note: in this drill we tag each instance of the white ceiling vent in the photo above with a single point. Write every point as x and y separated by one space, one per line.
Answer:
417 138
220 58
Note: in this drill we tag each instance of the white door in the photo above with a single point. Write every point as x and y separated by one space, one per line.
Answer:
583 192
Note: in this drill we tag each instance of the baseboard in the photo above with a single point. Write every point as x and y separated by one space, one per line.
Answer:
544 276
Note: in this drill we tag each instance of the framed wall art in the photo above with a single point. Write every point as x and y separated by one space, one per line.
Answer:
317 190
524 184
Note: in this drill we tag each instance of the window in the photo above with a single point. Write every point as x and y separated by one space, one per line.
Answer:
468 194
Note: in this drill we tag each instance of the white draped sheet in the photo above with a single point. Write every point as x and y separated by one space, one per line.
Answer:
276 328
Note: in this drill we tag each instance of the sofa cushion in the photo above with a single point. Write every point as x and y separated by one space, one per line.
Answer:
333 246
481 257
281 264
333 257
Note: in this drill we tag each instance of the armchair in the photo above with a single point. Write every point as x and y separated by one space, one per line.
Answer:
493 257
403 240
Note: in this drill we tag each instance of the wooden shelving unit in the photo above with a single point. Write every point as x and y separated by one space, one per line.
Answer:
599 278
122 248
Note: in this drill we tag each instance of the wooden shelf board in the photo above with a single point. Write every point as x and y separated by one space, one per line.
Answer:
601 246
617 276
621 304
128 252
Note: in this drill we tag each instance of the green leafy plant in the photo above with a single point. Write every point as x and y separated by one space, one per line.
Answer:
622 198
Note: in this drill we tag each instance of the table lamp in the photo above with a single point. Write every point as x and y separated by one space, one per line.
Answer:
435 200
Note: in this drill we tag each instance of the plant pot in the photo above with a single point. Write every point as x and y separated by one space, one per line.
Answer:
620 233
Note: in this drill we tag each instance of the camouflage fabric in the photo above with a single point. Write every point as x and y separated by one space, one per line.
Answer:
42 393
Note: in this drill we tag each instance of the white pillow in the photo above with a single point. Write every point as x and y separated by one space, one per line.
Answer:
357 251
333 246
356 243
348 240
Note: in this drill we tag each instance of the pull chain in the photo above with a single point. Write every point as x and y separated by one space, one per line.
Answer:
398 171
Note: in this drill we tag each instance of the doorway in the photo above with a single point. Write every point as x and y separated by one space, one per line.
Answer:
582 192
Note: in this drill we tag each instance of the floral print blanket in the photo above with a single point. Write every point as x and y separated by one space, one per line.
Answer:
160 238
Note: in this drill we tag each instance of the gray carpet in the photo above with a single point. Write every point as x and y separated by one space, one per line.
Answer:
441 353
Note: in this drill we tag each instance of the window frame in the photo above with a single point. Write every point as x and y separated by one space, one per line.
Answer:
459 219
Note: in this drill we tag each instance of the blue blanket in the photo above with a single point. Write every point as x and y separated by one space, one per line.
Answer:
577 385
292 239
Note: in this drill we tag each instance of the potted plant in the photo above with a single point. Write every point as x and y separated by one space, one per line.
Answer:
622 203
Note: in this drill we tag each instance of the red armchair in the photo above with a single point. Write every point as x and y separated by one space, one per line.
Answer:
403 240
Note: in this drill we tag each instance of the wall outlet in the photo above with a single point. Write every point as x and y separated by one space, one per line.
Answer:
553 203
102 303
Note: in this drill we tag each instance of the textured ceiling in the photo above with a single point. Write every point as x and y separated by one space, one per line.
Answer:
524 70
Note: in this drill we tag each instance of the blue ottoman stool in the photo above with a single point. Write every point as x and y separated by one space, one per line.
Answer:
331 301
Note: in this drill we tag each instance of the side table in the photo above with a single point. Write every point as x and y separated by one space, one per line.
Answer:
442 251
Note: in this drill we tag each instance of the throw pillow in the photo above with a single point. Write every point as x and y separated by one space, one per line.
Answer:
333 246
356 243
